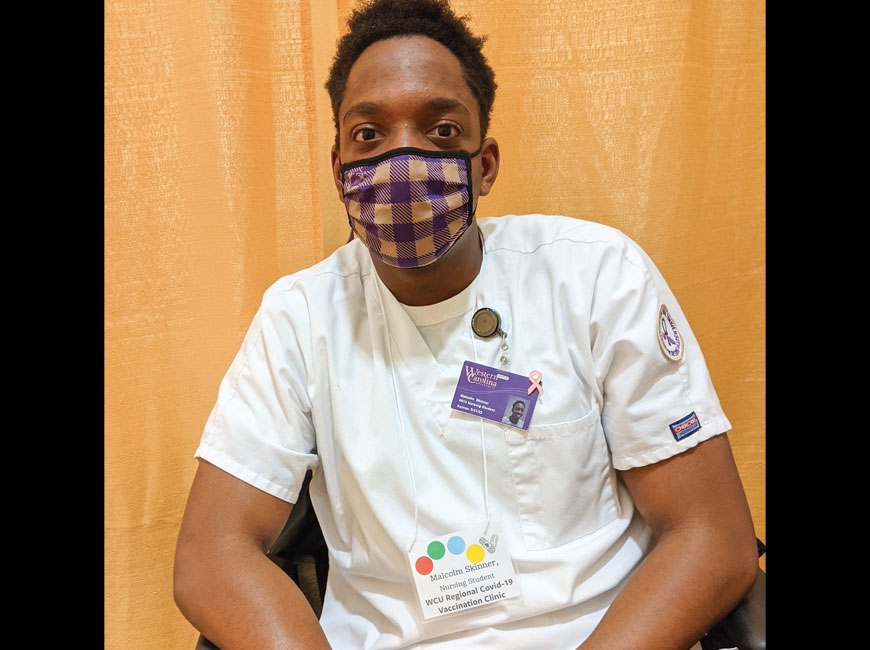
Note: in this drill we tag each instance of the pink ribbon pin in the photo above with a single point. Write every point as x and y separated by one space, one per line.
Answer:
535 378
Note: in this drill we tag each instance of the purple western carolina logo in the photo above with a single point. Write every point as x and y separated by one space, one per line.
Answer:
669 337
686 426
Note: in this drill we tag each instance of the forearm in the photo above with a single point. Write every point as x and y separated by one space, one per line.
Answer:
249 602
685 585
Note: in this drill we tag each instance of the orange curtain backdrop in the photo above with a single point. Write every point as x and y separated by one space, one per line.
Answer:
648 115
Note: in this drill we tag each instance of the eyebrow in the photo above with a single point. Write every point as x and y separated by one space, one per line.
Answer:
436 103
444 103
362 108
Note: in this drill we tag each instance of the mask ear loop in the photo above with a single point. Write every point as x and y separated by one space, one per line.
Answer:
472 206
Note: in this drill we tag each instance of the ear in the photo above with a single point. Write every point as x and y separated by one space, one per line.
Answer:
489 159
336 172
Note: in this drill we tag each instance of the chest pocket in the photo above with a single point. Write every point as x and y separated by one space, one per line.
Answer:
565 485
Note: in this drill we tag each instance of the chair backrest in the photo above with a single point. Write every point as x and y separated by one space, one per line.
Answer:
301 550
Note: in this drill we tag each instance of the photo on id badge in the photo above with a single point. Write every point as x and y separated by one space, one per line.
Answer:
514 415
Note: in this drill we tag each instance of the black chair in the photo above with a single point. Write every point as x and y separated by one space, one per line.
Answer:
301 552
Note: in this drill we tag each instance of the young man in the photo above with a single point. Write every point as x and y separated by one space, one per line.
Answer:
615 520
515 418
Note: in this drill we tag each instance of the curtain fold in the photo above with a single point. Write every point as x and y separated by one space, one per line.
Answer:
648 115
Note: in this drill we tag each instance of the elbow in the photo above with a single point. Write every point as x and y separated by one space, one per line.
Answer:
183 587
180 589
747 578
746 568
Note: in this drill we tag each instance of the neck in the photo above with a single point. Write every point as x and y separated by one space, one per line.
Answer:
440 280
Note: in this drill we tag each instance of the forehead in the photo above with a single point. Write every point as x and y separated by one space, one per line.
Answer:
406 68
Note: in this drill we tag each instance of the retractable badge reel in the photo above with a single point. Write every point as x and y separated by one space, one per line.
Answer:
485 323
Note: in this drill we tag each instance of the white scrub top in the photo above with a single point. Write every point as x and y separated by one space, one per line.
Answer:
335 375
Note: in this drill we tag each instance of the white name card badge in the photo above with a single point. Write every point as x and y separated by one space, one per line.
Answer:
462 571
493 394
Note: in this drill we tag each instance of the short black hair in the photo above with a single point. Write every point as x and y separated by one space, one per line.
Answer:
376 20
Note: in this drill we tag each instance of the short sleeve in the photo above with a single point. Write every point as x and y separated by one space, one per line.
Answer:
658 397
260 429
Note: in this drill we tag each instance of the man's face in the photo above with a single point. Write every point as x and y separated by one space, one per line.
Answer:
407 92
518 409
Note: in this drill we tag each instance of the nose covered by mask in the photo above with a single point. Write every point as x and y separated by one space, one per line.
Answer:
409 205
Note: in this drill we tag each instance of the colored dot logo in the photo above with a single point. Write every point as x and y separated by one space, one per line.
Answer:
456 545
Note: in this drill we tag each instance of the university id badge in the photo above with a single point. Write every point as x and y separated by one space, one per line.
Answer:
496 394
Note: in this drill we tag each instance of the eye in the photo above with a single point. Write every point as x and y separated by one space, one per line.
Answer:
446 130
364 134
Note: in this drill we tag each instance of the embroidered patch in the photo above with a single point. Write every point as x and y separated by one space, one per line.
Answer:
685 427
669 336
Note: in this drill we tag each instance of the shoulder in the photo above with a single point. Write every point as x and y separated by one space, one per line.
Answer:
552 234
342 270
535 228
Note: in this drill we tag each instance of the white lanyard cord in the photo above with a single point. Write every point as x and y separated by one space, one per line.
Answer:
482 440
404 437
389 345
402 420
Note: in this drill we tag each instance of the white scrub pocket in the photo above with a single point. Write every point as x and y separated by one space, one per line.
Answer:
564 483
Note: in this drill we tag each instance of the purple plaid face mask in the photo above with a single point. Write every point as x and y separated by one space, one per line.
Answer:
409 205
